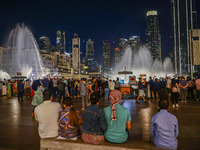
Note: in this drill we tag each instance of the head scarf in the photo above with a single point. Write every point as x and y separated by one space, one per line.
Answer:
115 98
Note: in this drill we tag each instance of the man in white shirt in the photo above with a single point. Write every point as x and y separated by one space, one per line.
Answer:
111 85
47 115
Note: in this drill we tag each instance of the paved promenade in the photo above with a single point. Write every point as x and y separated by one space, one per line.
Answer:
18 130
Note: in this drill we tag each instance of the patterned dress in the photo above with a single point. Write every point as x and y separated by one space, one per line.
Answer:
65 130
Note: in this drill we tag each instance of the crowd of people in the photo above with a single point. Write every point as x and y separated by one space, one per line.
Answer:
113 123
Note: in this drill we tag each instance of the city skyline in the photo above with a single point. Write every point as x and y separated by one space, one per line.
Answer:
99 21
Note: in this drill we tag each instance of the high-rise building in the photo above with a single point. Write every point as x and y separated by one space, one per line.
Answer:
60 41
106 58
153 38
134 42
123 43
76 52
184 18
90 55
44 43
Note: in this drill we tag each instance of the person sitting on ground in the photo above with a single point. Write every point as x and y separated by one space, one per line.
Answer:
94 122
68 121
118 119
164 128
46 114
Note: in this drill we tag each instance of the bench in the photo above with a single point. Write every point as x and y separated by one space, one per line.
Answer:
55 144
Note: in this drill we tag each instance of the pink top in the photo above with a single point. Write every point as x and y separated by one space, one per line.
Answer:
197 82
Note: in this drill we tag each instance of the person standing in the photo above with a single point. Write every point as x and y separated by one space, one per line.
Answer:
99 85
183 87
106 89
168 86
174 95
145 88
197 83
164 128
73 94
55 86
84 93
111 85
190 88
37 98
46 114
141 91
10 89
151 87
117 84
61 88
20 88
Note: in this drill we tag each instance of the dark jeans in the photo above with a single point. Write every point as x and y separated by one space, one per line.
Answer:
62 95
20 95
55 91
198 94
73 91
151 91
174 98
190 92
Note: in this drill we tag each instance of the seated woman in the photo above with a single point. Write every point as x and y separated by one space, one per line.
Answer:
118 119
94 123
68 121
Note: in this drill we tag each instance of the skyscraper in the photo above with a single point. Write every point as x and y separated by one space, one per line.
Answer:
60 41
90 55
76 52
184 18
106 58
153 38
44 43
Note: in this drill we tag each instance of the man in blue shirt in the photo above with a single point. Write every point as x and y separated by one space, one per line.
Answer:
164 128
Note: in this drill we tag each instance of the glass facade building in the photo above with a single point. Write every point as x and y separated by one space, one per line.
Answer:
90 55
60 42
153 38
106 58
184 18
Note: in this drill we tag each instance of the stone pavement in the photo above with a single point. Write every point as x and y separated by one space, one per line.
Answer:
18 130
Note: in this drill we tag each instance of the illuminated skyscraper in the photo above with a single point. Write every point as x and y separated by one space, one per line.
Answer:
184 18
153 38
76 52
44 43
106 58
90 55
60 41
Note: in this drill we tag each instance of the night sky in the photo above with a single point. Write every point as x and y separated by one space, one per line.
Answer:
99 20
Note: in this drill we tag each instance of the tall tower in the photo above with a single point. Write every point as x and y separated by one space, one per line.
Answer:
90 55
153 38
44 43
184 18
60 41
106 58
76 52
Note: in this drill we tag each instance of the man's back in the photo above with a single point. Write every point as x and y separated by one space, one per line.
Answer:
164 130
47 115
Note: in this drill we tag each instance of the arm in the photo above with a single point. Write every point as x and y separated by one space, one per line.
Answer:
152 128
176 128
128 122
128 125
